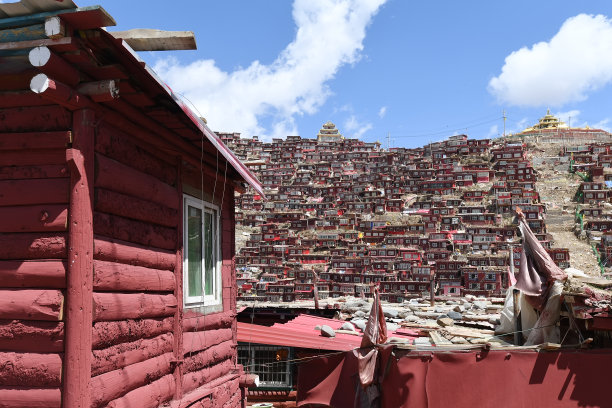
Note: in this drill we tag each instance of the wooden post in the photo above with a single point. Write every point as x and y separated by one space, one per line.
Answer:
178 289
79 282
518 335
432 300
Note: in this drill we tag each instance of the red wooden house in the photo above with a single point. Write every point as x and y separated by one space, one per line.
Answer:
117 226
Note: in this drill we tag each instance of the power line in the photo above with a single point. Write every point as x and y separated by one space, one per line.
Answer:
446 131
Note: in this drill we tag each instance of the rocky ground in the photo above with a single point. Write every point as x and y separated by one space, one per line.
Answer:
557 187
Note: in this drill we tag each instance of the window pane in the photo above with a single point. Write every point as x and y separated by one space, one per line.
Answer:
194 251
209 254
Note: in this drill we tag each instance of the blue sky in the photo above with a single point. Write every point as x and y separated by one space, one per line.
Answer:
416 70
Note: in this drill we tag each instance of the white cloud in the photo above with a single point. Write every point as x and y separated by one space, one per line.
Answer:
571 117
577 60
329 34
603 124
382 112
355 129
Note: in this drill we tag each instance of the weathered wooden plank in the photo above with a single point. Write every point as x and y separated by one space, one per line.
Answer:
35 140
201 340
30 369
208 375
32 157
121 306
135 208
109 386
34 171
31 304
79 282
114 250
115 176
29 245
120 146
125 354
196 321
119 277
32 336
107 334
148 396
33 191
35 118
138 232
34 218
26 397
23 33
31 274
210 356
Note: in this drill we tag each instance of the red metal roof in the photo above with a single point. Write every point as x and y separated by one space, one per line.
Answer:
300 332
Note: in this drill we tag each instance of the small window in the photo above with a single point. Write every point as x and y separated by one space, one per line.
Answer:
201 253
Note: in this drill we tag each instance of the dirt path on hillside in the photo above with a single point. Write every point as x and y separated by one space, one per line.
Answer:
557 188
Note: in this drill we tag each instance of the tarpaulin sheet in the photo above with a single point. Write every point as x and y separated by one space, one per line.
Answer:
576 378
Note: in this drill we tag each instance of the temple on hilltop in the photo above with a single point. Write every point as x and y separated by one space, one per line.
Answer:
329 133
548 121
551 129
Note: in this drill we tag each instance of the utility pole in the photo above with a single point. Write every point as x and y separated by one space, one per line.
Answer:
504 116
388 140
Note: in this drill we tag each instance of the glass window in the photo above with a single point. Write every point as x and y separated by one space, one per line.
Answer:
202 261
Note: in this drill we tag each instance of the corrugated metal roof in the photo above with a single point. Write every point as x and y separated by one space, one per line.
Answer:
25 7
300 332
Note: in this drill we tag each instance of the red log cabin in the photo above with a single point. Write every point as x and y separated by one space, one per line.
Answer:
117 226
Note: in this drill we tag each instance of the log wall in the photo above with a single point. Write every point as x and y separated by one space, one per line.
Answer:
34 201
146 349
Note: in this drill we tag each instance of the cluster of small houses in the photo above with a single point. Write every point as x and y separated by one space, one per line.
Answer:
594 217
344 214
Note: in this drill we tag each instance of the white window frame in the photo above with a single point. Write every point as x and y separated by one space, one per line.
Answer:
215 298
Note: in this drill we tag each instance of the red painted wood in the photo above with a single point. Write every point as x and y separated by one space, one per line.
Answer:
178 292
211 356
31 304
201 340
51 64
24 397
33 172
60 93
121 306
214 393
114 250
208 375
119 277
59 44
192 321
125 354
33 157
18 82
30 369
114 384
34 218
32 336
22 97
117 145
135 208
32 274
107 334
34 191
138 232
34 140
35 118
115 176
32 246
149 396
79 283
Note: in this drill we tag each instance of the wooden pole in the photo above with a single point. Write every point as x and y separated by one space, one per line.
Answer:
518 335
178 289
79 283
